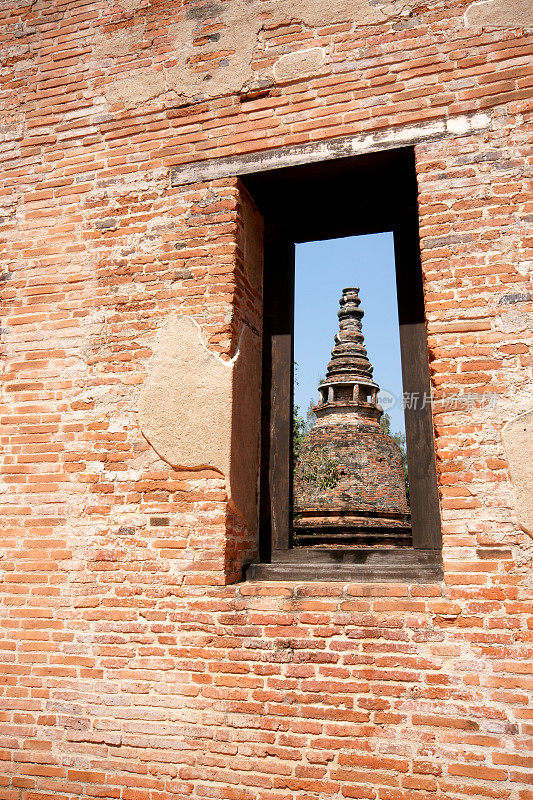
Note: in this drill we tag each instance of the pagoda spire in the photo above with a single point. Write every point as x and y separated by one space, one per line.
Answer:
348 386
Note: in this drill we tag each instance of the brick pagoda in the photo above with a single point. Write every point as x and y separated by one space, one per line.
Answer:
368 505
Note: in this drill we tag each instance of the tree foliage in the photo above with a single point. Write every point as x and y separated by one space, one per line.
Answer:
312 465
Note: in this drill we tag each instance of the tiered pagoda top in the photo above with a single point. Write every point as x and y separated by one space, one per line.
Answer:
348 386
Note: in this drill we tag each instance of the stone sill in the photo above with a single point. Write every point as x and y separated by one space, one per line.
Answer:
358 564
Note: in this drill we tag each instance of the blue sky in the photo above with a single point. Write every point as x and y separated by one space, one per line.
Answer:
323 270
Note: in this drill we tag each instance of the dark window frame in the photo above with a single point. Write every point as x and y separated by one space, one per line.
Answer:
344 197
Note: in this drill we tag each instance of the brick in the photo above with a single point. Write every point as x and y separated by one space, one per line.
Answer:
136 662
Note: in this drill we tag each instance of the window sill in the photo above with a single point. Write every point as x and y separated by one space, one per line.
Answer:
358 564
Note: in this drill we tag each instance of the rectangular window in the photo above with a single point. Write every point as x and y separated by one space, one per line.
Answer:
347 197
350 479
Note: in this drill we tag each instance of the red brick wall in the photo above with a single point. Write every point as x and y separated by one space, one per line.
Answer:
129 669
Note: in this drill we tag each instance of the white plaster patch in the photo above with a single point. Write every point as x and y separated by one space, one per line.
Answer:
300 64
185 402
517 437
118 43
525 267
131 91
324 12
462 125
500 14
130 5
237 39
197 410
515 322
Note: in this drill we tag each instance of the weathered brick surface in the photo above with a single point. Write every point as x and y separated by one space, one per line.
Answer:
369 468
131 666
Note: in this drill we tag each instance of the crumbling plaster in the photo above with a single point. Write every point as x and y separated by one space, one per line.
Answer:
214 43
131 5
218 60
132 91
517 436
500 14
197 410
323 12
299 64
120 43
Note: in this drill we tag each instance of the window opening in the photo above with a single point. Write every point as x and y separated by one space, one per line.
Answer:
350 480
344 197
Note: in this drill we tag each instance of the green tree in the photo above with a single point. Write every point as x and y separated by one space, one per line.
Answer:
312 465
299 432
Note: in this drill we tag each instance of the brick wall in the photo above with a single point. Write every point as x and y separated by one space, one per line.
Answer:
132 664
369 470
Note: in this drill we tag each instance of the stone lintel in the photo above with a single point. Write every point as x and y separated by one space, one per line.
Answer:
342 147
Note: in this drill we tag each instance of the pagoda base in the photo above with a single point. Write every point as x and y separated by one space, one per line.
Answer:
318 528
363 537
